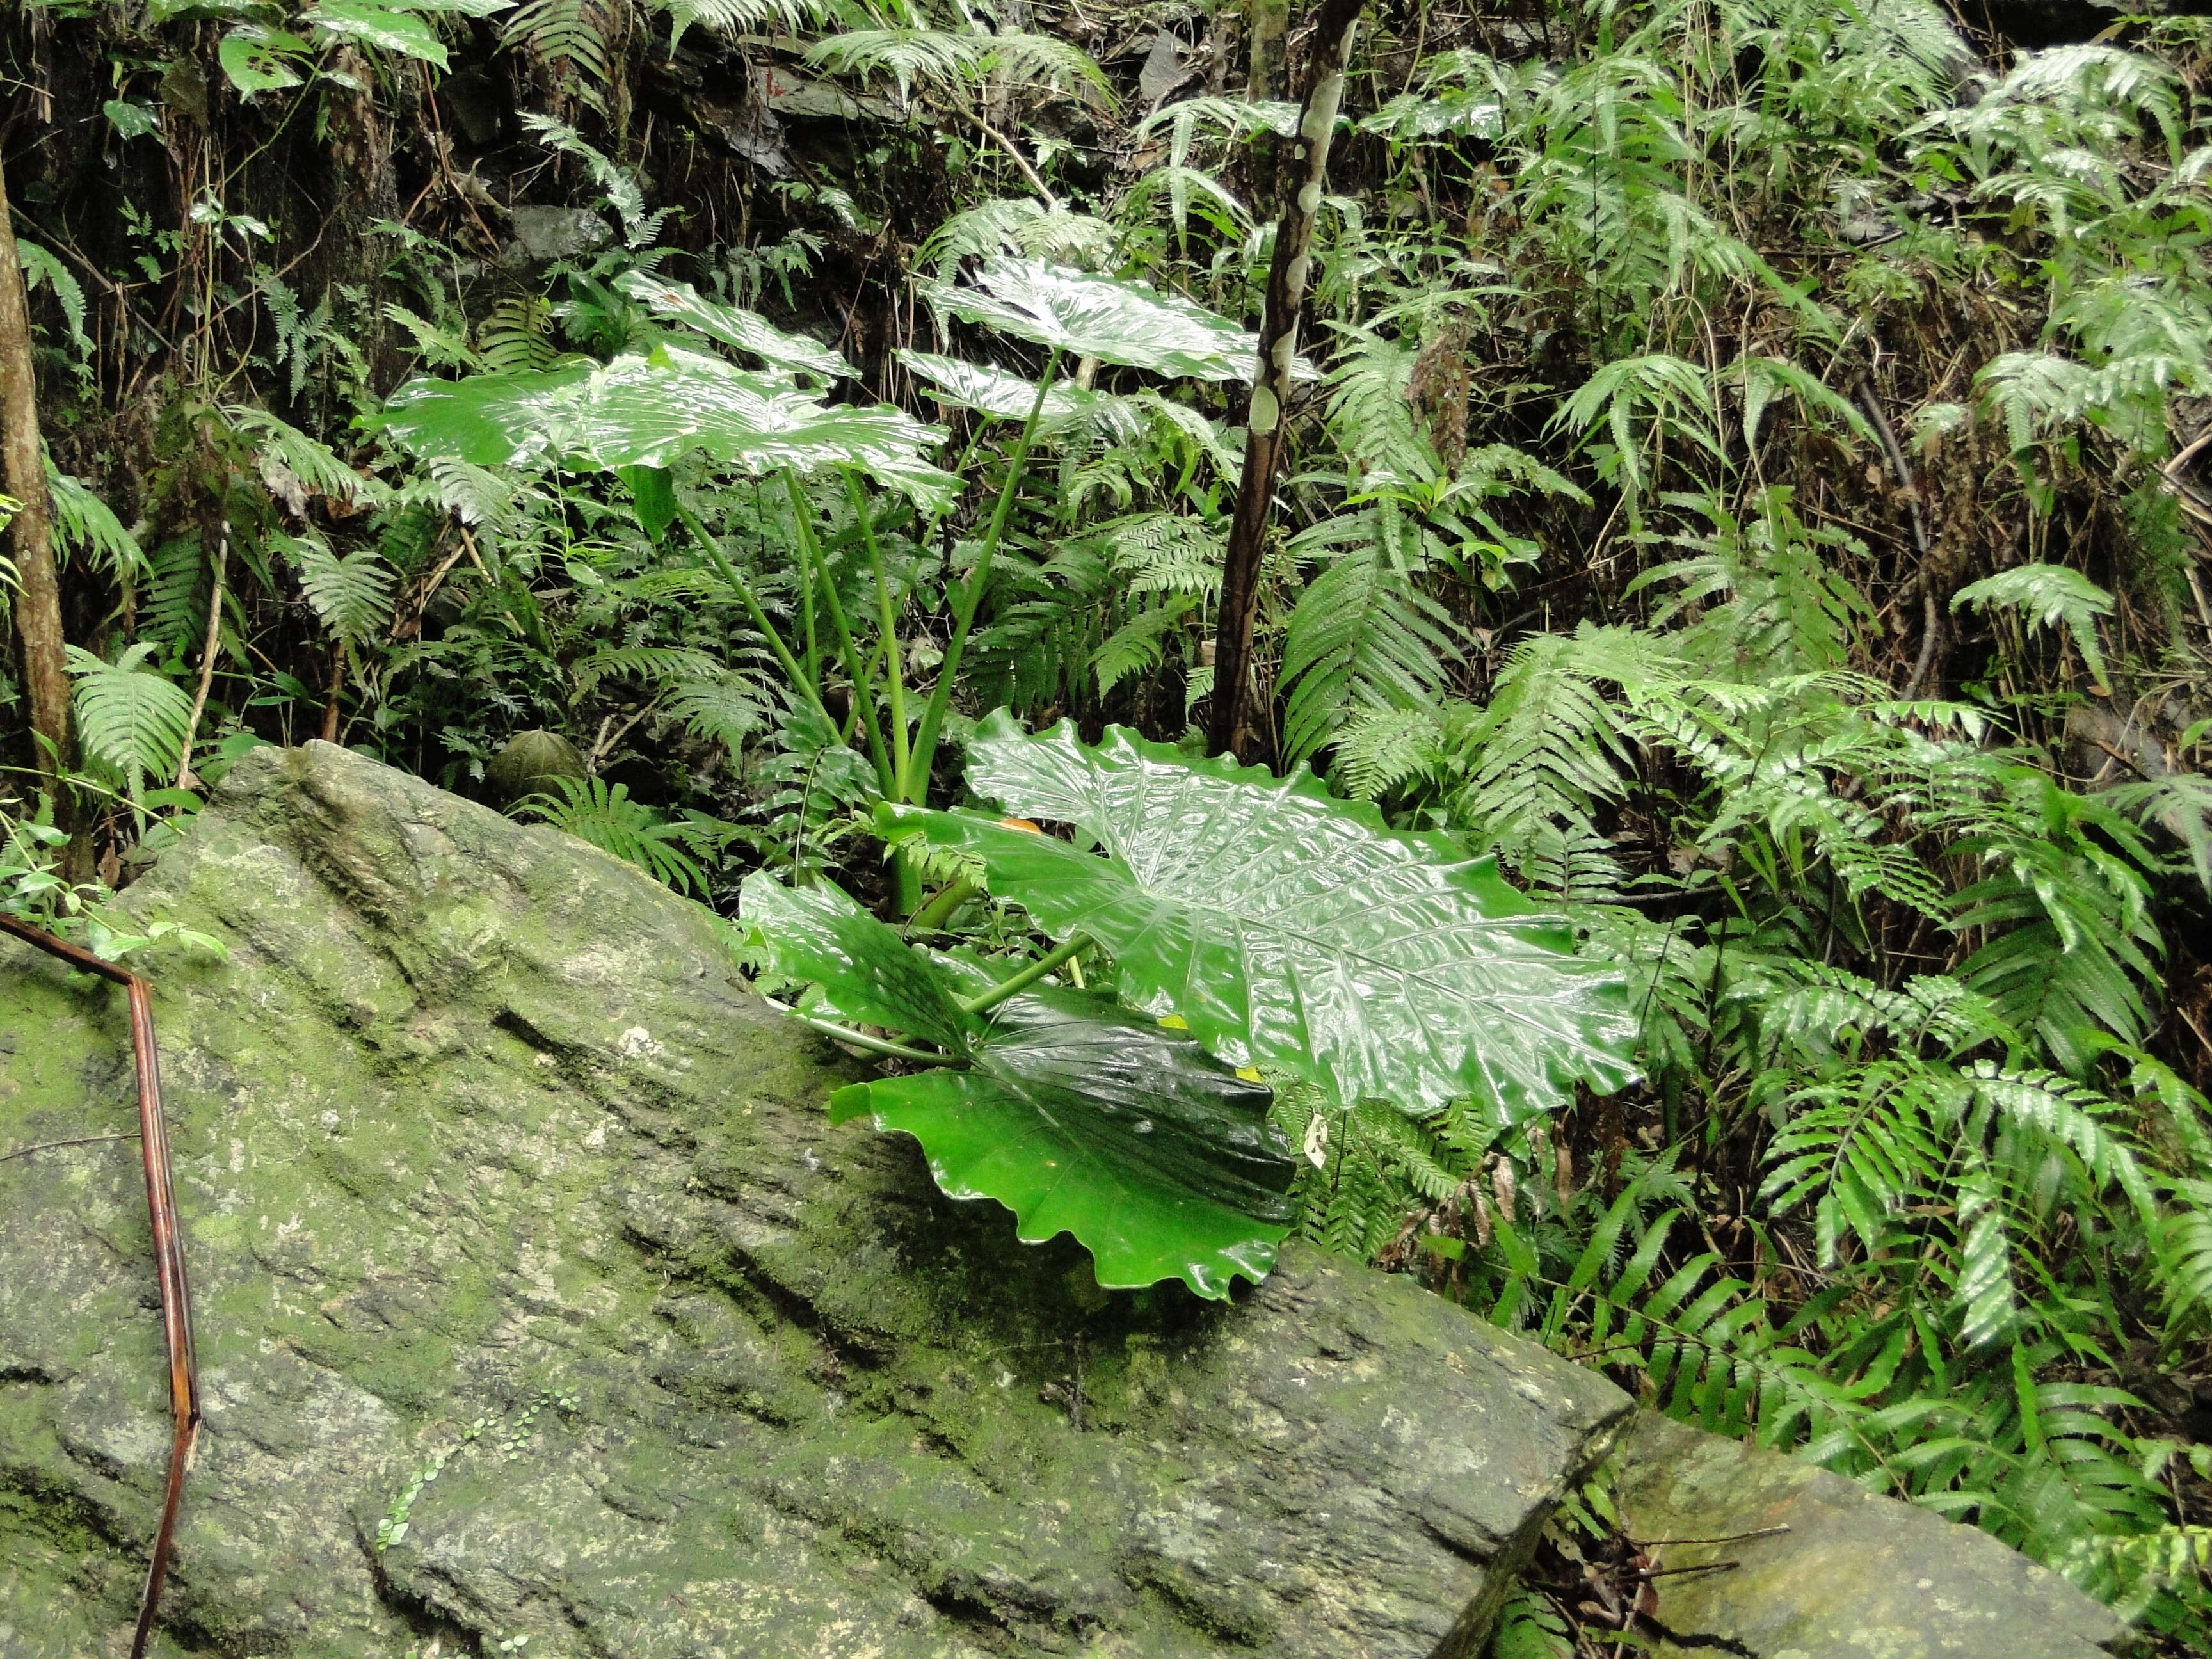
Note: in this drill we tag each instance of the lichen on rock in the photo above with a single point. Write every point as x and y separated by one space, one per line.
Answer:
537 1295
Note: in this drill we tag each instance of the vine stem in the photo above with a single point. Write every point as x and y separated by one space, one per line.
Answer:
1077 944
175 1289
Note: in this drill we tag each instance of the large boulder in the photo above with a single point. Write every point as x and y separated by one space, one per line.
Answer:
1818 1568
537 1297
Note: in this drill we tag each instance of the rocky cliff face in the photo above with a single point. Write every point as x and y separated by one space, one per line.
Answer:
537 1297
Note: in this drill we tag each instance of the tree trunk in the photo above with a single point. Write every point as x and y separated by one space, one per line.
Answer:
1228 727
38 605
1269 24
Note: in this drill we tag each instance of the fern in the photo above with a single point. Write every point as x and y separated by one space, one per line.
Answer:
742 16
1530 1627
621 190
576 40
42 269
294 465
592 811
352 595
1362 635
949 60
654 663
129 718
1380 750
517 335
84 525
1163 553
2052 597
721 709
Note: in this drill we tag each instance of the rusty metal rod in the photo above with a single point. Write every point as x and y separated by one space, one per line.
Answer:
168 1254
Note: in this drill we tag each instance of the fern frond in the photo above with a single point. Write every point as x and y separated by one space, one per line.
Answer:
592 811
2052 596
951 60
294 465
84 525
2060 1110
654 663
1377 749
620 189
42 269
1362 635
129 717
742 16
722 709
517 335
352 594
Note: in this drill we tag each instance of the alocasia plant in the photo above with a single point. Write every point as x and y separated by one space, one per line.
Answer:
1075 1114
1279 926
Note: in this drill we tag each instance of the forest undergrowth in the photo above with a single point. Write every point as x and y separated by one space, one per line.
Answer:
1754 479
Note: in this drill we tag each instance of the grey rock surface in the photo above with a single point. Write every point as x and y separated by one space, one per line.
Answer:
1856 1576
537 1297
544 235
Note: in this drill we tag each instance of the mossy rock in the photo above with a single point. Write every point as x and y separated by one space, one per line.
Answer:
1774 1559
499 1190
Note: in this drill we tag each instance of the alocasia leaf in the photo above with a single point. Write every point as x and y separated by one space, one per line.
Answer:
1088 314
1291 929
1073 1113
1080 1117
735 326
868 973
993 391
646 411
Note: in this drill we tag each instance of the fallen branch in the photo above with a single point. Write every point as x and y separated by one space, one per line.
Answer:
168 1254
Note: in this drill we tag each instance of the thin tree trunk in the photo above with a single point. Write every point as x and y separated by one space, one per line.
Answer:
1268 23
331 712
37 604
187 778
1229 728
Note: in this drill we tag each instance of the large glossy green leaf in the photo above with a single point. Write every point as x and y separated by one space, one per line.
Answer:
388 29
1290 929
1075 1114
866 971
994 391
1082 1118
735 326
1091 315
646 411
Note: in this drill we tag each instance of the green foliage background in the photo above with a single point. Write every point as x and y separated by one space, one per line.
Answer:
1753 482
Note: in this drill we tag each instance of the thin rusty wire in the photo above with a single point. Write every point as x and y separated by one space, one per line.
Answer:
168 1254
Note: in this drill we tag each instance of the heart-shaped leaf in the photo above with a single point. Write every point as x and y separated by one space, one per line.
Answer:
1076 1115
735 326
1091 315
646 411
1082 1118
258 59
1291 929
